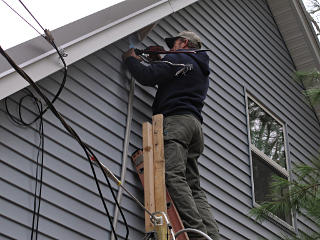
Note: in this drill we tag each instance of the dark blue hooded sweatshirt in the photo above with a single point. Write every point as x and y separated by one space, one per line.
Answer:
176 94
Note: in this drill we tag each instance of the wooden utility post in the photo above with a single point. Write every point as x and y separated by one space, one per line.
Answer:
150 165
148 174
159 164
154 173
159 173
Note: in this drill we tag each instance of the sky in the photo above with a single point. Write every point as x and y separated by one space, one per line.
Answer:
316 16
50 14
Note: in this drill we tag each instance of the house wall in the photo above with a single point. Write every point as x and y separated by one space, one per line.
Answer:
248 53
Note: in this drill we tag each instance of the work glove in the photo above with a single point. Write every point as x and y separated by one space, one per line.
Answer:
130 53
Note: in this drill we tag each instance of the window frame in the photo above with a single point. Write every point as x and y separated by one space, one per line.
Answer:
284 171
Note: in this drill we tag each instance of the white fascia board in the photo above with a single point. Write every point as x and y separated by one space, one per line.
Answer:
305 42
48 63
306 24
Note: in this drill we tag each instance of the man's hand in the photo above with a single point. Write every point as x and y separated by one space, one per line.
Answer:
130 53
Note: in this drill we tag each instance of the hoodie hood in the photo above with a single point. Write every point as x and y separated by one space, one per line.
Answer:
202 59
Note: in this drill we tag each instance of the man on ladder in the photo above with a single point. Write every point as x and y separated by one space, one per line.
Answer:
180 98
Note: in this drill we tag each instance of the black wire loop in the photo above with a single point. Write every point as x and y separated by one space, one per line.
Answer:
49 105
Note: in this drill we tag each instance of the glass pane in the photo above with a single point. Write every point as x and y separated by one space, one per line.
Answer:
262 177
266 133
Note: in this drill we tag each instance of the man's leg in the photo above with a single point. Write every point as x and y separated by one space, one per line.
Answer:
177 135
193 179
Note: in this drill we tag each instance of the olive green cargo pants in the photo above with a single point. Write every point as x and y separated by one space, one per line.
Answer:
183 144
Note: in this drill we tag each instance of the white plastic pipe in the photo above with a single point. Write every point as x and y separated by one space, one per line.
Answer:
125 154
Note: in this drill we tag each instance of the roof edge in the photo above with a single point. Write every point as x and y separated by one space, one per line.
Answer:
310 33
48 62
297 32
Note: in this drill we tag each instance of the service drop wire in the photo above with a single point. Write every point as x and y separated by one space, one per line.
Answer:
41 146
21 16
49 104
50 39
21 122
31 14
86 149
65 73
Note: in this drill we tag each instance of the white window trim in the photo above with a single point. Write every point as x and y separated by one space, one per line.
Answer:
279 220
268 160
275 165
285 171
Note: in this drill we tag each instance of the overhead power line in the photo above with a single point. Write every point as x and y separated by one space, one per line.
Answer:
90 155
31 14
22 17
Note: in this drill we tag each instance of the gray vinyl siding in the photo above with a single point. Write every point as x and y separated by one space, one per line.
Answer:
248 53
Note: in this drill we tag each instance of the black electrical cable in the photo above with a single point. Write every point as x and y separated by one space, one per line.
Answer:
85 147
41 175
21 16
49 104
21 122
31 14
50 39
57 114
36 211
65 73
53 100
113 195
13 118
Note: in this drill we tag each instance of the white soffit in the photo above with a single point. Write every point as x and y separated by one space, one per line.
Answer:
297 32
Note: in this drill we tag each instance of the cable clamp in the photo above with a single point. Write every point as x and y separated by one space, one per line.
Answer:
63 53
48 36
159 220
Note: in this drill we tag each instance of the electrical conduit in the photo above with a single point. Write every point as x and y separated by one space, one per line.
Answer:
125 153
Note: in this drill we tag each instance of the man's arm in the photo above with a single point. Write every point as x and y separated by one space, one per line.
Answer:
147 75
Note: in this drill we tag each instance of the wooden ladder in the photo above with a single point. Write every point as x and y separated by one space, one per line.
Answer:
150 166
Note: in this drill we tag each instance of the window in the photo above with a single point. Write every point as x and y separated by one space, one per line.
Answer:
268 152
